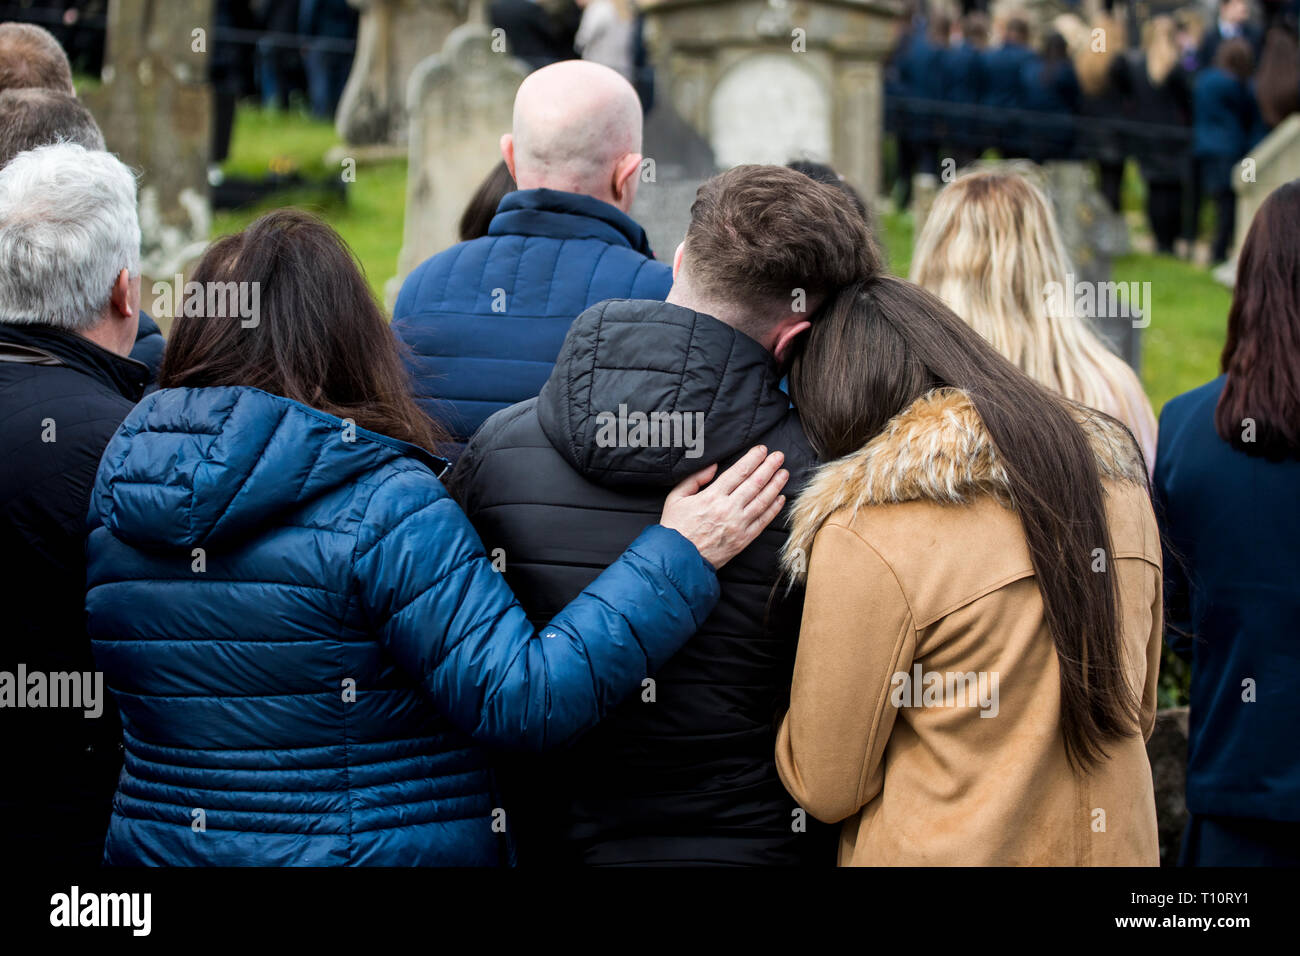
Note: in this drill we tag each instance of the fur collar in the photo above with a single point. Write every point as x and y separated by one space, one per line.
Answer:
936 449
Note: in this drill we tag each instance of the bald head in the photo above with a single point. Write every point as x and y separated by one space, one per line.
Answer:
30 58
577 128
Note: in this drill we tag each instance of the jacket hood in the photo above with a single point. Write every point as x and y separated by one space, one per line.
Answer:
646 393
212 466
937 449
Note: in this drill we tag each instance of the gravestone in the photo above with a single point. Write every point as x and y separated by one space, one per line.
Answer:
1094 236
392 38
1273 162
776 80
770 85
155 109
1167 751
460 102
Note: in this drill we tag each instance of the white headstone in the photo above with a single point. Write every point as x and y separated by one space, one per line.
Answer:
768 108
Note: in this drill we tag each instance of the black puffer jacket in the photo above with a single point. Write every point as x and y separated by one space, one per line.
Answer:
61 399
683 773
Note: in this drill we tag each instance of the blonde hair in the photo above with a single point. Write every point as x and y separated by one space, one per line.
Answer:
1160 42
991 250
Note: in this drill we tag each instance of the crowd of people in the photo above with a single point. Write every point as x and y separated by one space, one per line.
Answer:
756 555
1187 100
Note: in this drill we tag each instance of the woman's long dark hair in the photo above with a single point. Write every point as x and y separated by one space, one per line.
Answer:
1261 357
320 337
884 343
482 206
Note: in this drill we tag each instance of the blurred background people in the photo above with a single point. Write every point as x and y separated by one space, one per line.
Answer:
1226 123
327 57
607 35
1232 23
1051 88
1101 100
540 32
1277 81
962 69
1160 93
278 61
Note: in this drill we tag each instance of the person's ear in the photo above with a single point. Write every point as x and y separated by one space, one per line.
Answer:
785 339
125 295
625 180
677 259
508 154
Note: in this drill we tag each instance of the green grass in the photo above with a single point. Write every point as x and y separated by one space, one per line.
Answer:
370 220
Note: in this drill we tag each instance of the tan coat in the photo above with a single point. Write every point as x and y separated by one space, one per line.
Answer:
913 563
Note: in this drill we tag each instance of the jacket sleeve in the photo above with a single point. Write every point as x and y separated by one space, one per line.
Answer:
435 601
857 633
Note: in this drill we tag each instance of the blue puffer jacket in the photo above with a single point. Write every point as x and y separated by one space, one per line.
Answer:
303 634
485 319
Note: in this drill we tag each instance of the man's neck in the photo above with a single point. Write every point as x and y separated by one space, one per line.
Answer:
108 337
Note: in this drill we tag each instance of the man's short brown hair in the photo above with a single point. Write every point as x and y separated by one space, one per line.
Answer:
760 234
31 118
30 58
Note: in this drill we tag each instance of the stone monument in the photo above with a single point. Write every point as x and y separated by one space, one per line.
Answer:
460 102
1167 751
768 81
155 109
392 38
1273 162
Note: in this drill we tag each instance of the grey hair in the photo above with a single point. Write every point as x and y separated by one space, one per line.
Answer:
68 227
31 118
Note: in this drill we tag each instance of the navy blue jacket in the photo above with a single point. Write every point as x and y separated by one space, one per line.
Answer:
308 644
1223 115
1053 90
1003 67
961 69
484 320
919 77
1232 580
